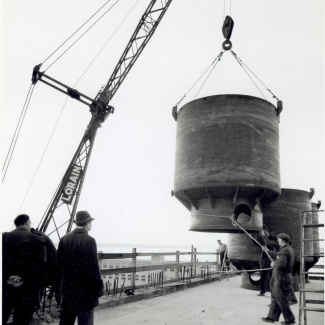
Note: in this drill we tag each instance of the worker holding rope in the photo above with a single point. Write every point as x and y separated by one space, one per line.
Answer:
280 282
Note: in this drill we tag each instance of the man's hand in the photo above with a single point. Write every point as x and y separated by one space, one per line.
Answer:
272 264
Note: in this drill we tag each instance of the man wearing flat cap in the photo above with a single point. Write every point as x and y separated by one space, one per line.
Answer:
22 265
280 282
78 273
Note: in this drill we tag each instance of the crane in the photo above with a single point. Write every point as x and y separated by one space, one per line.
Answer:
68 192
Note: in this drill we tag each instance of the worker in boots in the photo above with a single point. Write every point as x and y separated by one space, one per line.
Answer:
280 282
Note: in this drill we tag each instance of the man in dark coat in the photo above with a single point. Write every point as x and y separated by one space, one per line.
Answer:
49 254
280 282
22 260
79 273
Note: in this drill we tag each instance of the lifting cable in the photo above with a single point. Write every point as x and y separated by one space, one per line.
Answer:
213 64
240 63
60 114
243 64
17 131
81 34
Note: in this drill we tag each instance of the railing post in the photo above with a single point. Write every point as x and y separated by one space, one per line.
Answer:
134 264
177 268
195 261
217 258
192 260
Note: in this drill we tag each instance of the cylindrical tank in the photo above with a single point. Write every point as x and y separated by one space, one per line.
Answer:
284 216
316 246
227 161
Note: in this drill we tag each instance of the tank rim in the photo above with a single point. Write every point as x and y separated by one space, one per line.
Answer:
228 95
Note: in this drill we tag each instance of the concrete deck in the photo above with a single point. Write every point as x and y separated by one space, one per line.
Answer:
214 303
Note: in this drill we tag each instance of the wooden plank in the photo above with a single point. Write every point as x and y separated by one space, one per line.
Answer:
312 309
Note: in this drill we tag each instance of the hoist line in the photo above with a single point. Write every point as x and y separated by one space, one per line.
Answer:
235 56
57 121
30 93
213 62
17 127
255 76
77 30
82 35
217 60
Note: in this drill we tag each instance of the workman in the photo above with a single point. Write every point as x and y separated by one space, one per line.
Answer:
265 263
280 282
22 265
291 293
79 273
223 252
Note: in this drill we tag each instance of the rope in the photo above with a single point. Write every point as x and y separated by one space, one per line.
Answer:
213 62
25 107
83 34
57 121
77 30
243 64
217 60
235 56
235 223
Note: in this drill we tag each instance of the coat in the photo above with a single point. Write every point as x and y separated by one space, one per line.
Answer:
49 256
22 255
282 267
78 271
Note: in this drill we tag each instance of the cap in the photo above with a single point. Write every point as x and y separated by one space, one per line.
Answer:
83 217
284 236
21 219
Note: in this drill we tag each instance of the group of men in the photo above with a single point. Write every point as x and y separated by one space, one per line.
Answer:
31 264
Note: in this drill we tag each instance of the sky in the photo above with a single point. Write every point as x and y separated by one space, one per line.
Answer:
130 176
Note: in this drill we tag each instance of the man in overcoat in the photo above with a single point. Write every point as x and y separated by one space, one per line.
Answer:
79 273
280 282
22 265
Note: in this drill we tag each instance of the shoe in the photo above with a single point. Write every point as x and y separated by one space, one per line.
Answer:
268 320
286 323
261 294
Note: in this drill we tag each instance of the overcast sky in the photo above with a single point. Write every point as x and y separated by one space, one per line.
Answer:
130 176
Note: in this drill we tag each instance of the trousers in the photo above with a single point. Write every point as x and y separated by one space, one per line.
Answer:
265 275
85 317
23 308
279 301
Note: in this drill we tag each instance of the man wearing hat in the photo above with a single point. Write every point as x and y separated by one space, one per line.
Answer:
78 273
280 282
22 265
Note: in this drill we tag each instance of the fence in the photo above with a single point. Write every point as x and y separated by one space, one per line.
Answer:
184 271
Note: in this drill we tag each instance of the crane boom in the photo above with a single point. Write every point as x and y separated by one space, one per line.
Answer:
69 189
141 36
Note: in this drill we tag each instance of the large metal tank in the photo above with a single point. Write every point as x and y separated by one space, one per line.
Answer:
284 216
227 161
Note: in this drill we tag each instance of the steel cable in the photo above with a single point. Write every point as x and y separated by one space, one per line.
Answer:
82 35
30 93
77 30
